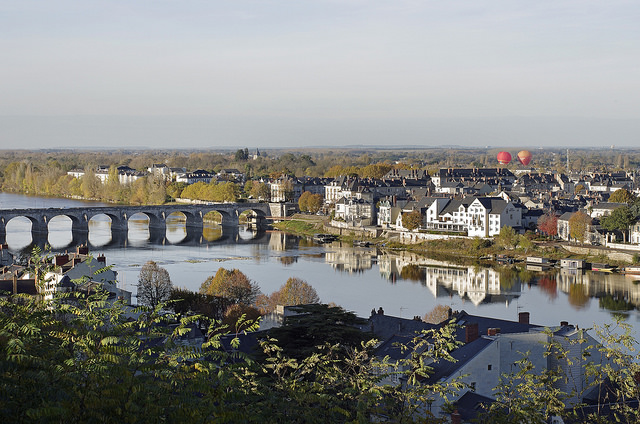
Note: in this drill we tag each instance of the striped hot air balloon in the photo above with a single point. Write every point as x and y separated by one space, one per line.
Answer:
524 157
504 158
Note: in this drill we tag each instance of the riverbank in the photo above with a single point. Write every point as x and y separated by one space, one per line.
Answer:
457 249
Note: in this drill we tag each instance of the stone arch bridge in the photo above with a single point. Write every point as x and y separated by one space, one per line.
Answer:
120 216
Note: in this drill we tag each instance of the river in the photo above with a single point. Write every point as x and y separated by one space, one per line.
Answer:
358 279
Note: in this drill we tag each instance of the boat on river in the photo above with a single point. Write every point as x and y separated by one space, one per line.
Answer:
631 270
602 267
325 238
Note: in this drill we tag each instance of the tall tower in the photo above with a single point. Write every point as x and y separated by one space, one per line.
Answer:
568 170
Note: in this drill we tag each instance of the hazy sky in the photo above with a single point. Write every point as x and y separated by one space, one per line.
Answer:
210 73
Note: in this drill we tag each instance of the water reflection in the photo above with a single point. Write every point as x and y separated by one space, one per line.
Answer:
138 234
440 282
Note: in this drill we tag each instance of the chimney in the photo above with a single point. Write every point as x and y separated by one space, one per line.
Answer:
102 259
493 331
523 317
455 417
471 332
60 260
564 323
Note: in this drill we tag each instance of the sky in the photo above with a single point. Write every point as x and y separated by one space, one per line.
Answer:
275 73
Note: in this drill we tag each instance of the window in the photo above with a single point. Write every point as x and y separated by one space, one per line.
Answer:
489 367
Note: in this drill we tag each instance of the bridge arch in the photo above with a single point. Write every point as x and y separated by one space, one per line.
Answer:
229 217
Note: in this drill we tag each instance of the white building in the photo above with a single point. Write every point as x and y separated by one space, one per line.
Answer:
359 212
487 215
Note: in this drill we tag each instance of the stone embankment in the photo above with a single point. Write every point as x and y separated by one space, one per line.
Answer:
613 254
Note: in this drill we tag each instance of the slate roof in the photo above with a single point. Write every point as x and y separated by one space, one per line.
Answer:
484 323
493 205
471 404
443 369
386 326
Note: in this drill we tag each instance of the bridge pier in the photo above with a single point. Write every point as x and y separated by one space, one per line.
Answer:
118 223
157 236
3 231
119 238
39 227
80 225
194 226
79 238
230 219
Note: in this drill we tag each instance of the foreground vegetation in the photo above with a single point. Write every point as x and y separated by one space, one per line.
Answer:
82 359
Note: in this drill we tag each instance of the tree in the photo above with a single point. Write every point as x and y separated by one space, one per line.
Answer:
507 238
438 314
242 155
412 220
315 325
620 219
154 285
621 196
310 202
303 201
548 224
232 285
579 225
239 317
294 292
186 302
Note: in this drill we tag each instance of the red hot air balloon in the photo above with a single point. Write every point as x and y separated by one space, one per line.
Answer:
524 157
504 158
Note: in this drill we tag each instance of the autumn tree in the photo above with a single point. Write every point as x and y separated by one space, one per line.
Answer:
232 285
154 285
548 224
578 226
621 196
294 292
412 220
238 317
438 314
310 202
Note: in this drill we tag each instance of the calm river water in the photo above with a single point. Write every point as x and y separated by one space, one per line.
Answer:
358 279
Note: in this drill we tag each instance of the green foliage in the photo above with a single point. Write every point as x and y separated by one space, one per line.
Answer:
526 396
507 239
317 325
84 361
242 154
479 243
620 219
